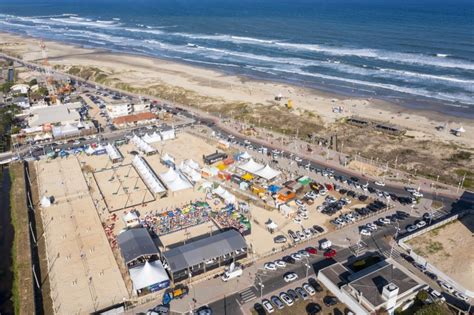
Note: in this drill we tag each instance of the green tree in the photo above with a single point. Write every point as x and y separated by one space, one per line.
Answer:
33 82
5 87
433 309
422 296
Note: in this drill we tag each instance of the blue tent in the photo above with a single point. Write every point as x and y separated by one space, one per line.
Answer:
274 189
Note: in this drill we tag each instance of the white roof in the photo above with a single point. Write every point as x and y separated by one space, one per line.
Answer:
148 176
272 225
148 274
245 155
168 134
251 166
460 129
224 194
142 145
152 137
167 157
175 181
131 216
113 152
267 172
52 114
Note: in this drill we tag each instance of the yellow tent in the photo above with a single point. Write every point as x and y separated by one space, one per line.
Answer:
247 176
221 166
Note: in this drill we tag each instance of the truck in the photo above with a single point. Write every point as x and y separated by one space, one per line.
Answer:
231 274
177 292
325 244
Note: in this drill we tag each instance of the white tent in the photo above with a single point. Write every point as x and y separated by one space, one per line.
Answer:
192 164
131 219
142 145
195 176
245 155
206 185
45 202
175 181
251 166
148 176
286 210
267 172
167 157
271 225
224 194
113 153
152 137
149 274
168 134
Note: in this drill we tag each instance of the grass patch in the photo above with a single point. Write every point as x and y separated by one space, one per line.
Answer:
22 290
434 247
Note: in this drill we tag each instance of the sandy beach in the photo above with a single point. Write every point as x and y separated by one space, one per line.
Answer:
253 101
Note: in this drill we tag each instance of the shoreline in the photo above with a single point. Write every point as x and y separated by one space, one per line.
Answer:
209 88
431 109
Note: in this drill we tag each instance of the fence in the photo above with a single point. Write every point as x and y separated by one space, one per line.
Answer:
423 261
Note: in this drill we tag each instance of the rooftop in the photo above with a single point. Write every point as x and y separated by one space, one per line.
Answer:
53 114
134 118
194 253
136 243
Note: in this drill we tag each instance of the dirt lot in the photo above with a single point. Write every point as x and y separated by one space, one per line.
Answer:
449 248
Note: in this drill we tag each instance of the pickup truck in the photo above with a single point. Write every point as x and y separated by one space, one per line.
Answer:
177 292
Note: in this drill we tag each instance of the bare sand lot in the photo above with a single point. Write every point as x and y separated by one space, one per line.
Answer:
121 187
450 249
83 273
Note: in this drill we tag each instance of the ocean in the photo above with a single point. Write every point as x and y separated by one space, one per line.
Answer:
419 53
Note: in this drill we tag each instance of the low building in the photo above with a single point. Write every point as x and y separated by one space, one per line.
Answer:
205 254
384 285
137 246
56 114
135 119
214 157
20 89
21 101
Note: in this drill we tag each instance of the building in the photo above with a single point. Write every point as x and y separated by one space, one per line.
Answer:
115 110
137 246
135 119
383 285
21 101
20 89
214 157
205 254
56 114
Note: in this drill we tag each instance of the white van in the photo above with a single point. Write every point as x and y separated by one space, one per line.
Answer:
228 275
325 244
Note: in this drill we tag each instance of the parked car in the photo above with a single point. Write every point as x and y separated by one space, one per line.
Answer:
329 253
461 296
311 250
365 232
296 256
445 286
277 302
411 228
329 300
436 295
292 293
301 292
289 277
288 259
270 266
280 239
315 284
268 306
280 263
286 298
309 289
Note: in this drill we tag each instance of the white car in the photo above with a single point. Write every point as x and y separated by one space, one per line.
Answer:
379 183
268 306
417 194
445 286
297 220
286 298
420 224
461 296
308 288
290 277
436 295
298 159
308 233
303 253
371 226
270 266
280 263
411 228
365 232
303 215
384 221
296 256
